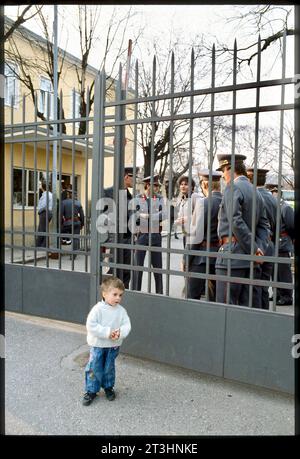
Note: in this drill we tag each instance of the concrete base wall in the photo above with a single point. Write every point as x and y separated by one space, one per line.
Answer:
250 346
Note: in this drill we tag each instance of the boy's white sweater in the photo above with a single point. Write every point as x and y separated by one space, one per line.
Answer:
102 319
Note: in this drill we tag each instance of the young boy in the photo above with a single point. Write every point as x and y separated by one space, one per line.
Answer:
107 325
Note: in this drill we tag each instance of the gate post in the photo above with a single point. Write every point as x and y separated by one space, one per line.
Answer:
97 182
119 160
297 200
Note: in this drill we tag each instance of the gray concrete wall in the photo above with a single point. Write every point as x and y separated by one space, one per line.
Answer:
53 293
251 346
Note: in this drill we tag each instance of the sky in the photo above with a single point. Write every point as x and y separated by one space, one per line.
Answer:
160 22
154 21
164 23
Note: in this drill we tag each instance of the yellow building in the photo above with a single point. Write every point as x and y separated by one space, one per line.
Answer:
28 163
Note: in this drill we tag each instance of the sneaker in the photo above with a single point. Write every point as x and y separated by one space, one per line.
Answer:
88 398
110 394
68 242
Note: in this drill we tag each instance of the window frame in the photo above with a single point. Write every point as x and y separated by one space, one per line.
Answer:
9 65
77 106
44 109
38 180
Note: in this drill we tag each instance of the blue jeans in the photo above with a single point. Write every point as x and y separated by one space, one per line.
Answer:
100 370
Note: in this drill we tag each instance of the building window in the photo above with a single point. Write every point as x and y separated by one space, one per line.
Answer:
32 185
17 196
76 97
11 85
46 95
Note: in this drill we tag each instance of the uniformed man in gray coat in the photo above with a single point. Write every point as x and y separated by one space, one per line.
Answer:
72 218
197 264
286 248
266 268
149 226
240 242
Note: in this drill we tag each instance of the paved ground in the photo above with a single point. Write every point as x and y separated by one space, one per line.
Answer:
82 263
44 383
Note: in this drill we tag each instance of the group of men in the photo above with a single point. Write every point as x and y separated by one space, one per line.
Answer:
226 227
71 212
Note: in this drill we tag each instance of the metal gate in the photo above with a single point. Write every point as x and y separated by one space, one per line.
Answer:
234 342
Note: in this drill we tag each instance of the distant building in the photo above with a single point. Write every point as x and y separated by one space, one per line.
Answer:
21 158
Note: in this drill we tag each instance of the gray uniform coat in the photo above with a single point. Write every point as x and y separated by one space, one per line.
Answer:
66 213
216 200
242 222
287 226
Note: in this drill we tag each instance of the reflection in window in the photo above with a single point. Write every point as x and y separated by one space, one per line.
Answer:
17 194
11 85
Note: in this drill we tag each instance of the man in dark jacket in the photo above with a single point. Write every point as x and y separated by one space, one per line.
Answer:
286 247
266 268
197 264
236 208
72 218
149 226
123 255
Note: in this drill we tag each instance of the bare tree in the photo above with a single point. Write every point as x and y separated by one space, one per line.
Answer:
160 138
88 21
22 17
88 28
29 68
270 21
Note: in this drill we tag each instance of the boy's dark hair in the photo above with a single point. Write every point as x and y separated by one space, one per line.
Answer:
112 282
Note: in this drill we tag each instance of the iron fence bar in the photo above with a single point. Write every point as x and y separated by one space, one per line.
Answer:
47 179
23 181
43 233
87 217
203 114
232 279
45 138
165 249
234 74
169 191
73 176
254 194
12 185
117 161
237 256
60 178
278 213
97 183
153 249
184 116
50 123
150 225
205 91
35 187
191 132
211 159
122 199
136 92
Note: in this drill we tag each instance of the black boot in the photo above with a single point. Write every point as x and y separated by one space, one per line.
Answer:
110 393
88 398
